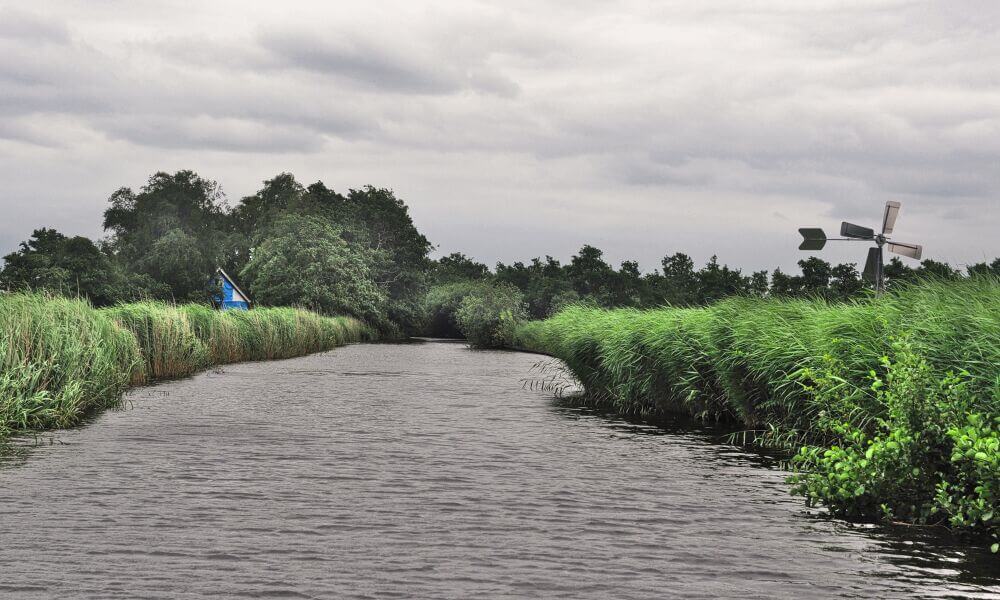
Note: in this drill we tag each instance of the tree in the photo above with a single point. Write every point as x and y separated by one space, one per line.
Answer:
305 261
716 283
590 275
897 273
846 282
627 285
458 267
983 269
680 283
256 213
933 269
376 218
816 274
489 316
783 285
758 285
71 266
176 259
545 285
372 218
175 230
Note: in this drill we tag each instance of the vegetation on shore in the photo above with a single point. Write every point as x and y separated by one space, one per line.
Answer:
356 254
61 359
891 405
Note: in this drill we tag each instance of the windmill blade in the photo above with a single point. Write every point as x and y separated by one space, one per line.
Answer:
910 250
889 218
856 231
813 238
870 274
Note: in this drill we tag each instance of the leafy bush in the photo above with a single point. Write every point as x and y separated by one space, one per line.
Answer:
442 303
929 460
488 317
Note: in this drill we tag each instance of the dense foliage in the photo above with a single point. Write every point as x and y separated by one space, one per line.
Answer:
489 316
71 266
892 401
62 359
175 231
378 243
442 303
305 261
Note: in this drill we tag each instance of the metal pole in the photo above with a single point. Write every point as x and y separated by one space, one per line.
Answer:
880 268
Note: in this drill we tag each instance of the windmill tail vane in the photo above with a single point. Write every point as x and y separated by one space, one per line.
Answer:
814 238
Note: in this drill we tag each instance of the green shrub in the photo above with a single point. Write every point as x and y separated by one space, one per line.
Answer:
441 307
489 317
970 498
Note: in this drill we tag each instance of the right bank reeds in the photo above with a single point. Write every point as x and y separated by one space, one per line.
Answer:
61 359
755 361
892 403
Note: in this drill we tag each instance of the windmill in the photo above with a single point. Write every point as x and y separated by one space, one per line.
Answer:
815 239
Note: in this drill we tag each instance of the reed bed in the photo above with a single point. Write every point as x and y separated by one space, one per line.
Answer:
167 342
880 400
61 359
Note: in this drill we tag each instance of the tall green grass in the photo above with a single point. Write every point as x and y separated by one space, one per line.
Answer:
59 359
919 365
62 359
754 361
167 342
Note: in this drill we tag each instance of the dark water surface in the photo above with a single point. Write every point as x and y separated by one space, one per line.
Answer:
425 471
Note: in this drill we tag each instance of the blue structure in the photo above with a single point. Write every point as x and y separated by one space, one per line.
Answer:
232 297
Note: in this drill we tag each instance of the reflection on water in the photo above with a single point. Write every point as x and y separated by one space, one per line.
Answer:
425 470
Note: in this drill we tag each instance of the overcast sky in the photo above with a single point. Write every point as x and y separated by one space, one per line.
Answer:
515 129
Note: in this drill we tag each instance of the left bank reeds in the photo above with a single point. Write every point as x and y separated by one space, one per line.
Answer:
61 359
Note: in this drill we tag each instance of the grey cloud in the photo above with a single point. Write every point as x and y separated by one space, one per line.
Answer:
229 135
361 61
763 107
32 27
371 61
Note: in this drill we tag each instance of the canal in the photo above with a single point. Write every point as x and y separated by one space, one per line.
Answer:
425 470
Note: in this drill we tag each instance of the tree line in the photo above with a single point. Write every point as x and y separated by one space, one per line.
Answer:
587 277
359 253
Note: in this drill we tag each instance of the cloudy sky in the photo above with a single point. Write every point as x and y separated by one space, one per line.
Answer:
523 128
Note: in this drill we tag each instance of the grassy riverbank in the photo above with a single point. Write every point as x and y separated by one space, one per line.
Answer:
62 359
891 405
